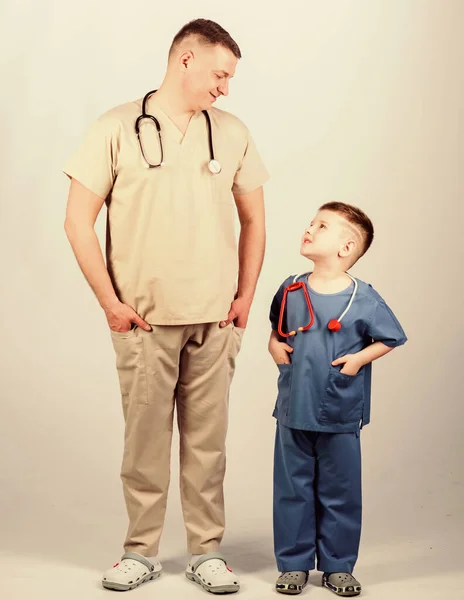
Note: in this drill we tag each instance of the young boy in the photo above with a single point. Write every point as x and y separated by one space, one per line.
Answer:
338 325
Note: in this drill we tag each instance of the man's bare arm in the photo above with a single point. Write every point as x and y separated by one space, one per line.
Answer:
82 211
252 244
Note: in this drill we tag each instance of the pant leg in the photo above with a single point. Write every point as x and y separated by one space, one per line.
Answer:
339 501
294 510
206 369
147 364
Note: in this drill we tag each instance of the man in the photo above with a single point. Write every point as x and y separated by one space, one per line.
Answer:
169 290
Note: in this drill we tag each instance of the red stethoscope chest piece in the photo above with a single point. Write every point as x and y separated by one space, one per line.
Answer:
334 325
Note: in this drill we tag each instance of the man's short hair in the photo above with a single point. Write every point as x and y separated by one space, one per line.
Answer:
208 32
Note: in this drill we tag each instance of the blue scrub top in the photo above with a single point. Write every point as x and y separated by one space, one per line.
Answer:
312 394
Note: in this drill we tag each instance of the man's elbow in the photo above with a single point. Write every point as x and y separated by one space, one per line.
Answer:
254 221
69 227
73 228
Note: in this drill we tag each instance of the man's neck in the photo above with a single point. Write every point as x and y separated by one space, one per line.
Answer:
172 101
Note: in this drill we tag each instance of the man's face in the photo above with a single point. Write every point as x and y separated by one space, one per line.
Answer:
208 75
326 236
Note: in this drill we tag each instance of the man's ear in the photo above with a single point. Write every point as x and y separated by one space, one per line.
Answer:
186 58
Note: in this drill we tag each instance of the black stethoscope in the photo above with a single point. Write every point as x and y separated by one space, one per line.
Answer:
214 165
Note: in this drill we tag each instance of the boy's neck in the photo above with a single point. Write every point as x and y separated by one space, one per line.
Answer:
328 280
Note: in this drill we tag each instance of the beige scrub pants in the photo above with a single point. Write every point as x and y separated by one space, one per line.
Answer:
190 366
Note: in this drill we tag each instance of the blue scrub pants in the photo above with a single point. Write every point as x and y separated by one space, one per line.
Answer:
317 500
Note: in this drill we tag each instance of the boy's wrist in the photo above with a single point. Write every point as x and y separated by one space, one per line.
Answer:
359 359
371 353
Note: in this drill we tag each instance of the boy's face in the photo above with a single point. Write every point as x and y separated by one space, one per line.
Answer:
329 235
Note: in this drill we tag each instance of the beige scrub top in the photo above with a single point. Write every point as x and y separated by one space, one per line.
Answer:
171 249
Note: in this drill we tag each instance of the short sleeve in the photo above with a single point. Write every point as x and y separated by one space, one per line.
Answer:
251 173
384 326
274 313
93 163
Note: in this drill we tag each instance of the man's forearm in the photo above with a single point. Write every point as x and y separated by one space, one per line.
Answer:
85 245
252 244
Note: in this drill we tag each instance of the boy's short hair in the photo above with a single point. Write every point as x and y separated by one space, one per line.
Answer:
209 32
356 217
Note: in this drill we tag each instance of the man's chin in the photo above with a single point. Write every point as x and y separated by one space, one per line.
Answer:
205 106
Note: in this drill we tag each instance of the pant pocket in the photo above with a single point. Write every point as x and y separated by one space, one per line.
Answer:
131 366
237 338
235 343
343 399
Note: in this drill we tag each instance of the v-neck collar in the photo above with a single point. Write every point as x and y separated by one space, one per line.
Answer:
179 136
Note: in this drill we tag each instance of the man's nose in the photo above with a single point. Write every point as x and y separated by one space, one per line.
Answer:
224 88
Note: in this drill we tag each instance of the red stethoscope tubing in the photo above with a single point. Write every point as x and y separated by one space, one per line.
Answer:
333 325
291 288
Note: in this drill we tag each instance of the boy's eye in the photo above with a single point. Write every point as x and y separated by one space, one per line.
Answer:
322 226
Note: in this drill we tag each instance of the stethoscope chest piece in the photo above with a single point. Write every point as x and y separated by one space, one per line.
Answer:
215 167
334 325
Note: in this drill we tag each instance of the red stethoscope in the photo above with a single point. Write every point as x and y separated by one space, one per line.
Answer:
333 325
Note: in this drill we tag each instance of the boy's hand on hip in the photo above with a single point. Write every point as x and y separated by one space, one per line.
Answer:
351 364
280 351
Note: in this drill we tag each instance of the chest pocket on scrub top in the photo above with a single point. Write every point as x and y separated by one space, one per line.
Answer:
221 186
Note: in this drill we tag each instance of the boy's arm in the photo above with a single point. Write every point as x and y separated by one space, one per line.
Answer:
277 346
353 362
371 353
385 332
279 350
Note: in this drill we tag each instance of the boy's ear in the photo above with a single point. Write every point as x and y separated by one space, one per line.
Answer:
347 249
